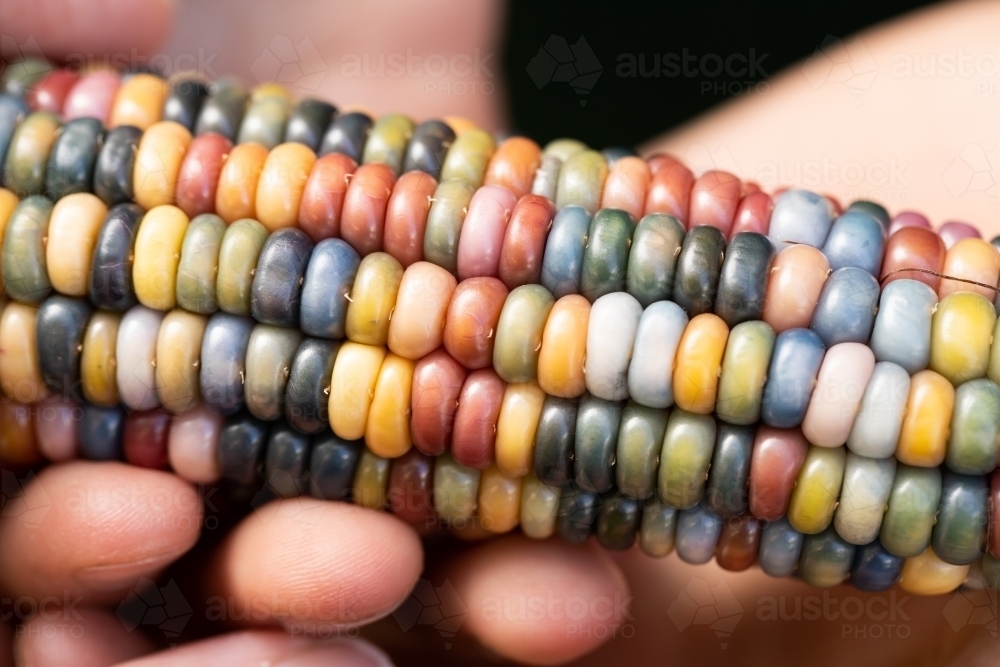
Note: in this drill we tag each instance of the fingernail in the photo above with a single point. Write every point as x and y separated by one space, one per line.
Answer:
340 652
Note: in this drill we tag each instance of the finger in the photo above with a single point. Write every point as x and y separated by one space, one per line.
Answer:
540 602
77 638
267 648
316 565
63 29
91 530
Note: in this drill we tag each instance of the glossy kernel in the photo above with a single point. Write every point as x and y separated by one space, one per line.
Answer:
699 363
961 336
564 347
387 431
157 256
158 163
923 440
352 387
373 299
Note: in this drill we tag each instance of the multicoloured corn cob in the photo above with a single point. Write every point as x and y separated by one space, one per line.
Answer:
585 341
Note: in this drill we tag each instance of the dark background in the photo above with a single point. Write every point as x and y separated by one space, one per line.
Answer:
632 110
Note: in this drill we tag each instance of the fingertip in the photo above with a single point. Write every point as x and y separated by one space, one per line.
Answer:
94 529
541 602
312 565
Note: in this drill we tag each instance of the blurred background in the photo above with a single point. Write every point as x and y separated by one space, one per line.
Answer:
639 95
893 100
605 73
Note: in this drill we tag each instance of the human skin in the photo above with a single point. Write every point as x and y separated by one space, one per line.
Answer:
909 130
383 56
311 557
